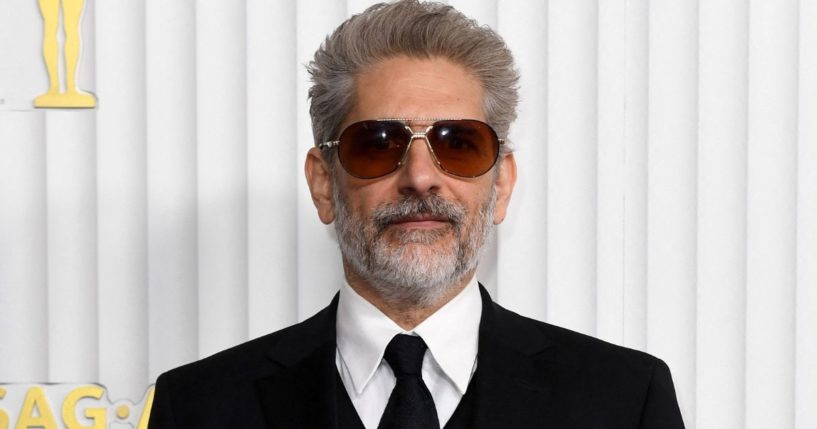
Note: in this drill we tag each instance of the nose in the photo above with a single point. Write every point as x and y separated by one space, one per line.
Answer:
419 174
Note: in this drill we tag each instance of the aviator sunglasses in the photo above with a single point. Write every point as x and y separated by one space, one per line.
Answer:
374 148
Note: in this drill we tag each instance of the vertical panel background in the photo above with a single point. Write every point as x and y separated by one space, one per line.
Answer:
806 293
222 173
571 186
671 190
636 113
171 177
612 75
771 213
721 273
666 197
23 303
272 165
122 196
71 232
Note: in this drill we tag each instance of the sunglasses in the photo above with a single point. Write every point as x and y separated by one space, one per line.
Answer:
374 148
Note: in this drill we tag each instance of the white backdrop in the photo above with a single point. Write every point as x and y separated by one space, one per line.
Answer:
667 197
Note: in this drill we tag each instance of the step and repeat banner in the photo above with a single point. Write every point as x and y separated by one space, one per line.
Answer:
153 209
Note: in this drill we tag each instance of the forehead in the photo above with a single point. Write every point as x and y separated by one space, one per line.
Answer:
404 87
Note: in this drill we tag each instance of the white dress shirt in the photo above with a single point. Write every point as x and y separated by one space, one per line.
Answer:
363 332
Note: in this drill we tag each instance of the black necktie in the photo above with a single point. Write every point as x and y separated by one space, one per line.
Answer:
410 404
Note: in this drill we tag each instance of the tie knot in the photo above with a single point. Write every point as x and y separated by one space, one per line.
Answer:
405 355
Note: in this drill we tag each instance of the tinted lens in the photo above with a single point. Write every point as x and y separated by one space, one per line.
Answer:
467 148
372 149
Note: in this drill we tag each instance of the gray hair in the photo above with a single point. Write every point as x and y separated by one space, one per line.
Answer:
414 29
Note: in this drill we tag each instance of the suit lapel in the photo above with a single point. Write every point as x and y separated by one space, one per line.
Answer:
301 393
510 386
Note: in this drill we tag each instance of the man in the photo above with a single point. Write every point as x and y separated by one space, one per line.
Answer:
409 107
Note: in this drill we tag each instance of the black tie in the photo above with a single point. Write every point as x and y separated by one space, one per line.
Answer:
410 404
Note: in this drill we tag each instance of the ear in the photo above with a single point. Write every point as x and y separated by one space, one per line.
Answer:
319 180
505 181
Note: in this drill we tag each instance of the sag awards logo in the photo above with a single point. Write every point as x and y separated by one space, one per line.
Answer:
69 406
72 96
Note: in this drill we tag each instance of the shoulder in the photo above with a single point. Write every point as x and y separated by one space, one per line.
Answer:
235 363
224 384
213 391
258 357
591 382
574 355
531 335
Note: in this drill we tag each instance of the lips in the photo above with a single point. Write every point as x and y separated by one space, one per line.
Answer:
420 222
421 219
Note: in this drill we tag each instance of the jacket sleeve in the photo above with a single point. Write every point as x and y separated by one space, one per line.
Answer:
661 406
161 413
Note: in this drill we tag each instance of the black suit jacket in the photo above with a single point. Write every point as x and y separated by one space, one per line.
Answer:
529 375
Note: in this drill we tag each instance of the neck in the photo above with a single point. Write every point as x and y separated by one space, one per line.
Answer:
405 315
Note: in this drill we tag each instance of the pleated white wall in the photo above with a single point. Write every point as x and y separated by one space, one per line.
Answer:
805 364
24 254
671 191
667 194
121 158
771 213
721 236
172 215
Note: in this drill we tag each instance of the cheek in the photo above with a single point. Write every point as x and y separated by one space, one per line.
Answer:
361 210
477 197
363 200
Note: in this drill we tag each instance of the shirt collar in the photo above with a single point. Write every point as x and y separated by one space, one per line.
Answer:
451 334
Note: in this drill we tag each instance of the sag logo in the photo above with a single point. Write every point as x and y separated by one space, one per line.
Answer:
68 406
71 13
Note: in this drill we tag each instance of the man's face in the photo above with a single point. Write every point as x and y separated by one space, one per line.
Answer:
415 234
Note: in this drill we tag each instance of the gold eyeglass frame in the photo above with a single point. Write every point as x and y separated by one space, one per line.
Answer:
415 135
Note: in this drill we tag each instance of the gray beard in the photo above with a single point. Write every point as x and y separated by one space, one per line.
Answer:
419 269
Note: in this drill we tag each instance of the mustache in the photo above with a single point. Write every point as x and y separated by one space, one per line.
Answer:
433 205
